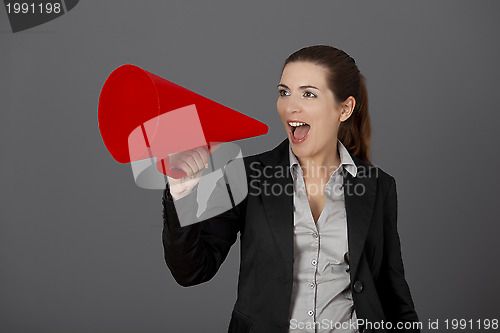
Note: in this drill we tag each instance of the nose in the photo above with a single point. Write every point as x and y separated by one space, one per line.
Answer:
291 104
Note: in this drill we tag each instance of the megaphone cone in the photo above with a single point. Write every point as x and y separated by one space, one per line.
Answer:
142 115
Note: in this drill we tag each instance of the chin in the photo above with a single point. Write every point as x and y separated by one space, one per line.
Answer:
303 149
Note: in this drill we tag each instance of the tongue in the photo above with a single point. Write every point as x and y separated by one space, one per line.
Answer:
301 131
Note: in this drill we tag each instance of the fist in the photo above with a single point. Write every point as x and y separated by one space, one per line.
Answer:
192 162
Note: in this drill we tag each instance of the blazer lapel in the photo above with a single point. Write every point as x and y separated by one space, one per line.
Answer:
276 185
359 195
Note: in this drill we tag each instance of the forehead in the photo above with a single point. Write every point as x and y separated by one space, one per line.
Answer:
304 73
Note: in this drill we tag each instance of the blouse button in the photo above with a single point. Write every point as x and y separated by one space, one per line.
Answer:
314 262
310 312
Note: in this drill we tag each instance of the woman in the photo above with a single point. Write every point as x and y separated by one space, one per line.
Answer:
325 256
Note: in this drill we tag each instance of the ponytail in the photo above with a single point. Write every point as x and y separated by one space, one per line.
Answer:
355 132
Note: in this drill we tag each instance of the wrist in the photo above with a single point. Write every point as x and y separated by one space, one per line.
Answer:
177 195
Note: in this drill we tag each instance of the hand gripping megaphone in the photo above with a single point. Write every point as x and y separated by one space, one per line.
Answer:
143 116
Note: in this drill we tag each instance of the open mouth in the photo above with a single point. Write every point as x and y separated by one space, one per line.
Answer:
298 131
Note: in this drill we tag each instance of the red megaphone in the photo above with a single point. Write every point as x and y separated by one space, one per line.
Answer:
142 116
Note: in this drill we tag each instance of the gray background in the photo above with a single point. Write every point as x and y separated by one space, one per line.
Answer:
80 243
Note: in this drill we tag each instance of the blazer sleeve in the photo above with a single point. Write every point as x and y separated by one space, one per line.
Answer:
194 253
393 289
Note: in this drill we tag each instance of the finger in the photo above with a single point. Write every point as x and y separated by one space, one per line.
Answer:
181 161
189 159
184 166
203 151
196 155
197 174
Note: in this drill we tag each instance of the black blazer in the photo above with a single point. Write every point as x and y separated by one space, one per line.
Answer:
264 219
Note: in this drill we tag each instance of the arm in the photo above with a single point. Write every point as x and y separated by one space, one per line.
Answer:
393 288
194 253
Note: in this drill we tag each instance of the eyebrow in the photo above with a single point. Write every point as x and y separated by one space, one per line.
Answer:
302 87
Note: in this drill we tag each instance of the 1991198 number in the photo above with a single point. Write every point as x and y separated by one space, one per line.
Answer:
31 8
462 324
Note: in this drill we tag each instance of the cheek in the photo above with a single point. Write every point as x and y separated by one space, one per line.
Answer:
280 109
329 116
323 129
334 114
325 121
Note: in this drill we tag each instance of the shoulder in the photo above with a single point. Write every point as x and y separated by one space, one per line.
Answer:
270 157
384 180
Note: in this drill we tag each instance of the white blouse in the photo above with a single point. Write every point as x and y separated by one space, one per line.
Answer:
321 296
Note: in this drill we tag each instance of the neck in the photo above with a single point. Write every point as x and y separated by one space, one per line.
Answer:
322 164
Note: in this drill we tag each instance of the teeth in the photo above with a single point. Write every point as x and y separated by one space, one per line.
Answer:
296 124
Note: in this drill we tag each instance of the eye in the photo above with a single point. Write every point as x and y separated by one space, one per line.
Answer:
282 91
310 94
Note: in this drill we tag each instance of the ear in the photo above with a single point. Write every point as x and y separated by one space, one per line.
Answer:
347 107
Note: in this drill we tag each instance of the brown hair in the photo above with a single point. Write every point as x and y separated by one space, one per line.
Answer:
344 80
